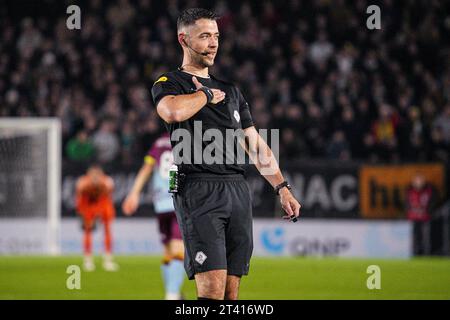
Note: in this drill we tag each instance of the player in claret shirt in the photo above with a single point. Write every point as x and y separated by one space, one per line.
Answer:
94 200
157 164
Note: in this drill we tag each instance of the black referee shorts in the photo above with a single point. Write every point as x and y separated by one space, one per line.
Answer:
215 216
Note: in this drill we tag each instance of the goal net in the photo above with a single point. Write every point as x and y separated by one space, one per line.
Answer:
30 173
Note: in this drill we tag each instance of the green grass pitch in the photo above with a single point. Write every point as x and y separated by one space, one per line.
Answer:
270 278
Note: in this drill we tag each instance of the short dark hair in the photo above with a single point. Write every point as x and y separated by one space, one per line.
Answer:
189 16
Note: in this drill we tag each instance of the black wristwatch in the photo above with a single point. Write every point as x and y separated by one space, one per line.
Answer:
282 185
208 92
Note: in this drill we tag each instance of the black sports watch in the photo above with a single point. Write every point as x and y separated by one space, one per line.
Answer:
208 92
281 186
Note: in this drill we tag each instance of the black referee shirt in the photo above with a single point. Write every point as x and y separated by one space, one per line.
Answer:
231 113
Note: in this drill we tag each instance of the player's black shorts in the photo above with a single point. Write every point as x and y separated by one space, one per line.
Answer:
215 216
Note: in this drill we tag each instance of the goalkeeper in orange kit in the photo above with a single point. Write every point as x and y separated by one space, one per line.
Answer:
94 201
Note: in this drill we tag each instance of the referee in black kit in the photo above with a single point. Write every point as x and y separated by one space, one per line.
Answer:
213 205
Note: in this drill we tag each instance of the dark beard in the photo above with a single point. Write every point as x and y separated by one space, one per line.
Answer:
201 63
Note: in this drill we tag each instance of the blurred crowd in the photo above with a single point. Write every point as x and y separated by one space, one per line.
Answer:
312 69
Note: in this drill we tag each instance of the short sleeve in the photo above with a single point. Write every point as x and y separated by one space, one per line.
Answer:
244 112
164 86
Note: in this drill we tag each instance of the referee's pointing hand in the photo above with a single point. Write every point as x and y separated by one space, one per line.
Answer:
219 95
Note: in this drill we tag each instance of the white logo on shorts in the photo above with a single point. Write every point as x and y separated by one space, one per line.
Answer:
237 116
200 257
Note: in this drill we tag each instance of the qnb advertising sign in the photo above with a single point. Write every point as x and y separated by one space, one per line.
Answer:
333 238
271 237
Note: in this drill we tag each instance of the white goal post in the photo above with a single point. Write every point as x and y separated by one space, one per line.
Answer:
30 185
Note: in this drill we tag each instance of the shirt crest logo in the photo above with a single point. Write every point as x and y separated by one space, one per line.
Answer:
237 116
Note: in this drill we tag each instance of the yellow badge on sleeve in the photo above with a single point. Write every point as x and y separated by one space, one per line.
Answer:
162 79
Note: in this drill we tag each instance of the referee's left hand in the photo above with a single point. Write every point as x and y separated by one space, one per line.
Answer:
289 204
